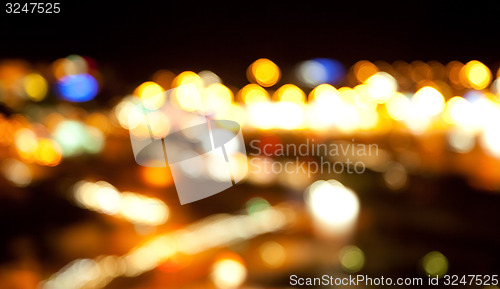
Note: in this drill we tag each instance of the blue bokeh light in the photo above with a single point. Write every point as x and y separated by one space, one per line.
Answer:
78 88
321 70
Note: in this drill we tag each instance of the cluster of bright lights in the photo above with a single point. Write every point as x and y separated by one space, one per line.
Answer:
135 208
212 232
369 106
31 148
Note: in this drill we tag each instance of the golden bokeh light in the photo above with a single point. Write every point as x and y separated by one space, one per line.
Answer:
156 176
476 75
364 69
151 95
290 93
457 111
264 72
35 86
228 272
48 153
398 106
381 86
324 94
252 93
189 91
26 143
273 254
217 97
428 101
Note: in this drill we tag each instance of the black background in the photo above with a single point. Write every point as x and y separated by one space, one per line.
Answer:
136 38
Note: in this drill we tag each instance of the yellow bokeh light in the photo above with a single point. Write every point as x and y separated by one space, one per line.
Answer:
26 142
273 254
264 72
189 91
187 77
16 172
290 93
435 264
364 69
228 273
476 75
48 153
36 86
156 176
428 101
217 97
457 111
252 93
381 86
151 95
398 106
159 124
324 94
351 258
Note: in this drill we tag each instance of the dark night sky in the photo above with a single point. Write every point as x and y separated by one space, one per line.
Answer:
140 37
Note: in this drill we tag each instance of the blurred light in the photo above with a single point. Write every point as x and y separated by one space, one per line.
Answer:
209 78
333 205
158 124
211 232
75 138
217 98
495 87
48 153
78 87
454 75
325 94
189 97
458 111
26 142
264 72
228 273
135 208
477 75
398 106
262 115
351 258
290 93
364 69
139 209
435 264
129 112
187 77
289 115
16 172
36 86
490 139
461 140
428 101
252 93
320 70
273 254
381 86
151 95
256 204
156 176
395 176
